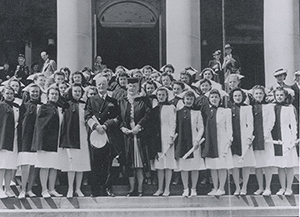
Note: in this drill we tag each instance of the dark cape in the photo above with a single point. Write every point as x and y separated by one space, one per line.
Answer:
7 126
70 129
236 146
28 125
47 128
184 141
211 139
258 132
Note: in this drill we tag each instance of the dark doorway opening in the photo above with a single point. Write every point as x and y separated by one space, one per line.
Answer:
244 31
129 47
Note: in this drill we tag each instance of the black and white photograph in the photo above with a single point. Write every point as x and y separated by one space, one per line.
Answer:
154 108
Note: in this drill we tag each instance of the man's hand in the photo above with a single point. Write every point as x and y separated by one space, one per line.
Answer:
99 129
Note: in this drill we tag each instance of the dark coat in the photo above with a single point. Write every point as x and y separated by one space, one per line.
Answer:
47 128
28 126
142 109
7 126
70 128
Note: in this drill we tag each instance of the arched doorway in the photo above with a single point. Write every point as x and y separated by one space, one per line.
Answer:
128 33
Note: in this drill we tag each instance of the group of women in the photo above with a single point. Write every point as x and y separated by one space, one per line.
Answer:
167 125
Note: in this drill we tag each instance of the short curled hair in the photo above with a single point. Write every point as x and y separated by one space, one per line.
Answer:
237 89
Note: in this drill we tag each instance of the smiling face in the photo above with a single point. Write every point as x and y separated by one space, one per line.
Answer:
233 82
77 79
166 81
177 89
279 96
133 89
214 99
62 88
184 78
189 101
205 87
102 85
8 95
59 78
41 81
15 85
258 95
208 75
280 78
149 89
53 95
237 97
123 81
34 93
76 93
161 95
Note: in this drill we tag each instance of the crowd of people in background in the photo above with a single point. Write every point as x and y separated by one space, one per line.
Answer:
145 120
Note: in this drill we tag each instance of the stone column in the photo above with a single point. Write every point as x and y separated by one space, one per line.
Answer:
183 34
74 34
281 38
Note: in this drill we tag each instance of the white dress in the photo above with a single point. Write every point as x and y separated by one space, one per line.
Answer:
224 137
288 133
168 126
246 127
8 159
80 157
47 159
266 157
197 162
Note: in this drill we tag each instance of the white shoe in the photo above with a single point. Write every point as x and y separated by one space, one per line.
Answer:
212 193
21 195
267 193
193 193
185 192
45 194
55 193
70 194
158 193
79 193
288 192
280 192
258 192
31 194
10 193
219 192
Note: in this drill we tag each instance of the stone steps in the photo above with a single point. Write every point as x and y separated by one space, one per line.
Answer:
152 206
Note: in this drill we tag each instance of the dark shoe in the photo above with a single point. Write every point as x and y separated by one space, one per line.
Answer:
109 193
130 194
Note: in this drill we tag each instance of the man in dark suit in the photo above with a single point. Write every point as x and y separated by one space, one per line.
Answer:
103 108
231 62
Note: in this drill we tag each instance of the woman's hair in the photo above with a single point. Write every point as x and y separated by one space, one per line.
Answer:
59 73
181 84
288 97
83 81
209 70
71 90
163 89
53 87
237 89
259 87
170 66
38 76
214 91
189 94
7 88
150 83
146 67
166 74
205 81
188 74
